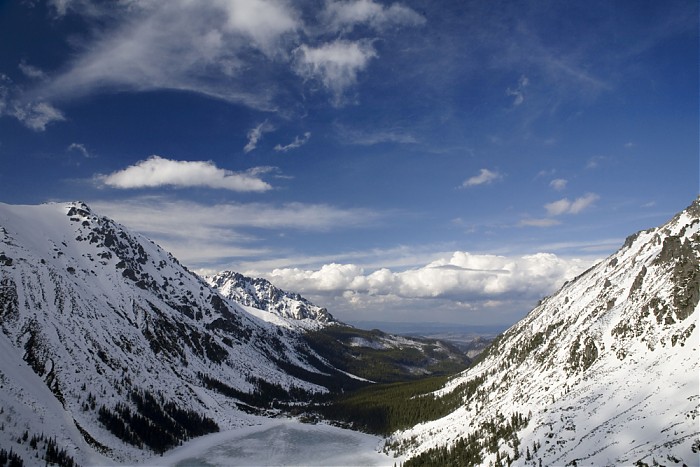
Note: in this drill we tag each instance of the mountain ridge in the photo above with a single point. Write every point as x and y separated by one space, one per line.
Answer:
116 351
549 387
127 353
128 341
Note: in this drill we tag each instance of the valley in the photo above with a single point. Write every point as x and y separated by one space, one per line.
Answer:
112 352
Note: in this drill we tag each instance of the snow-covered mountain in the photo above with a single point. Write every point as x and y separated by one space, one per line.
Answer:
261 294
604 372
372 355
112 350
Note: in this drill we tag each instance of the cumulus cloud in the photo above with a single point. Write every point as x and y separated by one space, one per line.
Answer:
565 206
298 141
335 64
485 176
462 276
255 134
157 171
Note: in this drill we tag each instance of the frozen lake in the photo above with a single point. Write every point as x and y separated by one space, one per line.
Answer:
281 442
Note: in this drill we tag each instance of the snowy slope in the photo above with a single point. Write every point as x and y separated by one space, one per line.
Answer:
262 295
604 372
91 315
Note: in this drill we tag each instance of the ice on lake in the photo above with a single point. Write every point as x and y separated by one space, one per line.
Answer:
282 442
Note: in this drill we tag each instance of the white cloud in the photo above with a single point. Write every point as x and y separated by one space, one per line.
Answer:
335 64
36 115
205 47
594 162
157 171
78 147
83 7
347 14
214 233
263 21
369 137
144 213
559 207
462 276
519 91
565 206
298 141
485 176
546 222
255 134
579 204
31 71
232 50
558 184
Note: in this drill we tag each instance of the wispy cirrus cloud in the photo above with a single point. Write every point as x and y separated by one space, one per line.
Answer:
255 134
216 233
298 142
231 50
518 92
484 177
345 15
566 206
369 137
541 222
81 149
36 115
202 47
157 171
31 71
560 207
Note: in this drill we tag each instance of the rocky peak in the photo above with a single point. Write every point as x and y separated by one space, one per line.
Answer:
261 294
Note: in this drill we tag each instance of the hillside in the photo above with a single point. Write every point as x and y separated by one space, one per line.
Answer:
383 358
113 350
603 372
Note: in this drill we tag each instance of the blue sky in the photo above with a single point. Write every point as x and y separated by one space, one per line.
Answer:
411 161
